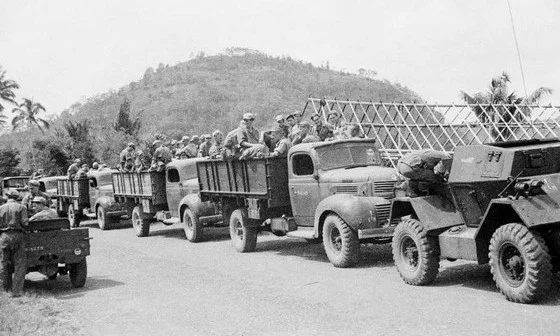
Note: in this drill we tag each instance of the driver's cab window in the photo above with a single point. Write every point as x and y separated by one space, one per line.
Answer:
42 186
173 175
302 165
93 182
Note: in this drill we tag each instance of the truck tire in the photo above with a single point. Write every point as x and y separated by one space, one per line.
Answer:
520 263
243 237
103 220
74 216
416 254
341 242
78 274
194 230
140 223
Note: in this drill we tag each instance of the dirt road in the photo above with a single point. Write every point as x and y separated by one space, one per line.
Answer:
163 285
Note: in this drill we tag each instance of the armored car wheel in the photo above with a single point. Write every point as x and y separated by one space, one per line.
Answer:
78 273
193 228
341 242
140 223
244 237
103 220
416 254
520 263
73 216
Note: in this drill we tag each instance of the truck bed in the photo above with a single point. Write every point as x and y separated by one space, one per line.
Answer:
140 186
74 189
265 178
60 246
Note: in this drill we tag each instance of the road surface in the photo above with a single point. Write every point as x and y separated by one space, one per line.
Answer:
164 285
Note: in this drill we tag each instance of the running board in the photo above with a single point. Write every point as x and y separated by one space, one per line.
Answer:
303 232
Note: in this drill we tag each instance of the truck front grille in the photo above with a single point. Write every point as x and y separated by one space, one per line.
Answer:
383 212
383 186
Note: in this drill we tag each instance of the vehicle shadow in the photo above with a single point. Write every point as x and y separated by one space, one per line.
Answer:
370 255
478 277
211 234
62 288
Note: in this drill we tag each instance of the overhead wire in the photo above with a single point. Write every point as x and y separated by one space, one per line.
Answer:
517 47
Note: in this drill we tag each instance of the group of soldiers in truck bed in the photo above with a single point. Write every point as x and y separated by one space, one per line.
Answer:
243 142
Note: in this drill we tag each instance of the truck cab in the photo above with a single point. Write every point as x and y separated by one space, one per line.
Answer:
17 183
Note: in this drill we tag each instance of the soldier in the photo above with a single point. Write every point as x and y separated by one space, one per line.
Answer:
140 162
82 173
422 169
218 145
283 144
42 210
13 258
95 166
204 149
322 130
297 119
38 174
33 192
248 135
127 158
73 169
162 156
354 132
338 125
191 150
231 143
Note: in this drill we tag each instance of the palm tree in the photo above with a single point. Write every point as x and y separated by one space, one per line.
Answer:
26 116
7 87
499 106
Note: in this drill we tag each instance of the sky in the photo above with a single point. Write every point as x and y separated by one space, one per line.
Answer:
62 51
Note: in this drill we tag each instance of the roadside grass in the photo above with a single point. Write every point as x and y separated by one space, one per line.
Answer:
36 313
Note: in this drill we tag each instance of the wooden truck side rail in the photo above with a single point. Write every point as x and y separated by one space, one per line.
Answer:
140 186
74 190
265 178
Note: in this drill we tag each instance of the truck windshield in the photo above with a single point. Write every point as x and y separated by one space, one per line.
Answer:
347 155
16 182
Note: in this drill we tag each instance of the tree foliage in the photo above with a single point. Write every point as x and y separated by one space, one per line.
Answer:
124 122
27 116
9 161
7 94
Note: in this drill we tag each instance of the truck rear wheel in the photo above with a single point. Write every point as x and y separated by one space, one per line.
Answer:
193 228
520 263
74 216
103 220
78 273
140 223
341 242
415 253
244 237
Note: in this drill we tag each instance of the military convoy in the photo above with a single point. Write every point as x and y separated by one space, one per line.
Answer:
336 191
500 205
169 197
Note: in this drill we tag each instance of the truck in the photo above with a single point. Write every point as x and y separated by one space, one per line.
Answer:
337 191
500 206
169 197
17 183
52 248
91 197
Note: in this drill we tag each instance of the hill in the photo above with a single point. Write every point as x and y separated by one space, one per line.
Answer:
213 92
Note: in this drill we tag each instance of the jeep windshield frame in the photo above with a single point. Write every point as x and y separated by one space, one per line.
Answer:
347 155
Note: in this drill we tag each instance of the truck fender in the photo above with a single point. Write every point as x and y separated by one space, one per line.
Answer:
357 211
193 202
105 201
434 212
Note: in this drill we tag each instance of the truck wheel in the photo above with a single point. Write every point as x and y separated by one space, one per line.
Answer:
341 242
193 228
78 274
103 220
73 216
415 253
140 223
244 237
520 263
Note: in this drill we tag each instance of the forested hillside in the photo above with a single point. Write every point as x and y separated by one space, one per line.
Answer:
198 96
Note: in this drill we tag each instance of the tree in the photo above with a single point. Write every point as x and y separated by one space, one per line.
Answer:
498 106
7 87
124 123
82 145
49 154
9 160
26 116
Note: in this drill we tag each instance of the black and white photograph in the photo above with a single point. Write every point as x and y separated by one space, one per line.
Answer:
279 167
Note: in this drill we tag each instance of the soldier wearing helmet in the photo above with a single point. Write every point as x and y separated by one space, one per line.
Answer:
41 208
162 156
127 157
